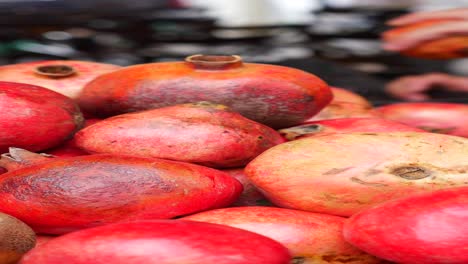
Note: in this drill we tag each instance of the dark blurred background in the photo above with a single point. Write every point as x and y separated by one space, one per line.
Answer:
338 40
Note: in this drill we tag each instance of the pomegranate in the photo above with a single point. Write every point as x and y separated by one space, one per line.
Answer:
202 133
69 148
446 118
161 242
345 125
345 104
342 174
341 95
16 239
62 76
429 228
56 196
35 118
344 110
273 95
310 237
444 48
250 196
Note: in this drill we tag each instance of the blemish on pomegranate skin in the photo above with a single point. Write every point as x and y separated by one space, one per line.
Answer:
411 172
336 171
374 184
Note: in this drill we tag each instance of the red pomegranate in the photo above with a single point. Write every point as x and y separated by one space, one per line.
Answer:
56 196
202 133
250 196
345 125
160 242
66 77
273 95
69 148
35 118
342 174
310 237
445 118
430 228
444 48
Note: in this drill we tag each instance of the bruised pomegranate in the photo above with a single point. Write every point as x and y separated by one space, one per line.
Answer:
445 118
345 125
443 48
250 196
66 77
273 95
310 237
69 148
35 118
160 242
430 228
202 133
342 174
60 195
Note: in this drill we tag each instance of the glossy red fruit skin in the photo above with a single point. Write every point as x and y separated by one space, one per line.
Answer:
428 228
202 133
345 125
67 194
444 118
250 195
273 95
69 148
35 118
161 242
69 85
310 237
443 48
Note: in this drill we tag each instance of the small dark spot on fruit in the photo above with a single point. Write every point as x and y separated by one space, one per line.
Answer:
411 172
113 141
339 259
336 171
225 132
260 137
298 260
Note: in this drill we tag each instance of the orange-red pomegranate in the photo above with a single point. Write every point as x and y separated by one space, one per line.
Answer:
341 95
445 118
310 237
345 104
202 133
342 174
67 77
160 242
35 118
59 195
444 48
273 95
345 125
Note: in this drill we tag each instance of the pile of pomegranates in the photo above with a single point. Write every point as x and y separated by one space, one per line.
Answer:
213 160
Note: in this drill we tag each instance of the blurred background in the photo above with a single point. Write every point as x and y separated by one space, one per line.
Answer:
338 40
